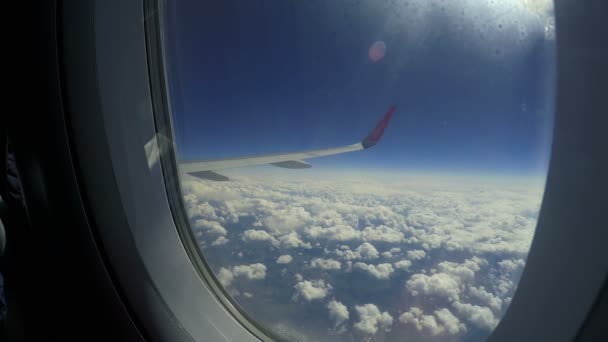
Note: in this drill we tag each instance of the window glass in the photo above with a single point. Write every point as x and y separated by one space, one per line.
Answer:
422 236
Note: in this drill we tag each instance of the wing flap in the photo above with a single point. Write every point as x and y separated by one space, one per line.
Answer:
209 175
292 164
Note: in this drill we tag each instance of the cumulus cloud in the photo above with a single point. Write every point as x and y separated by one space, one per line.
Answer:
335 233
495 222
254 272
292 240
371 319
502 286
451 323
258 235
403 264
464 271
465 219
367 251
338 312
284 259
220 241
380 271
312 289
347 254
447 281
442 322
382 234
346 222
441 284
428 323
416 254
513 265
209 227
225 277
480 316
342 232
287 219
325 264
480 293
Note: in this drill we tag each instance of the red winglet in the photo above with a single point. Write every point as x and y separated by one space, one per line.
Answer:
375 135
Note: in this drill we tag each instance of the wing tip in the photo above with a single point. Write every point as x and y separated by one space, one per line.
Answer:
376 134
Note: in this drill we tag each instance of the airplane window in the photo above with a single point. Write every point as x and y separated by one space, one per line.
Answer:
363 170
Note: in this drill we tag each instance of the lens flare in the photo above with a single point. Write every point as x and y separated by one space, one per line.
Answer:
377 51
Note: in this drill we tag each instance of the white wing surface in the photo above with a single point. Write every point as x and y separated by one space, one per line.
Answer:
205 169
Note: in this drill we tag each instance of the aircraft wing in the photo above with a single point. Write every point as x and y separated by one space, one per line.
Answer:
205 169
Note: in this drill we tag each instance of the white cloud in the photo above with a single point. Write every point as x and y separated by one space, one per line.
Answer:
258 235
481 317
383 234
442 322
492 221
465 272
344 232
255 271
440 284
292 240
312 289
325 264
247 295
497 219
420 216
220 241
371 319
416 254
428 323
364 251
287 219
380 271
225 277
510 266
447 281
367 251
335 233
503 286
480 293
284 259
451 323
403 265
338 312
209 227
347 254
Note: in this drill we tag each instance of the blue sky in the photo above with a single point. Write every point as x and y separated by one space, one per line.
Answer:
256 77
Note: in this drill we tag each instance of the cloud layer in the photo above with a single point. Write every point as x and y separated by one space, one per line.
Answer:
443 258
